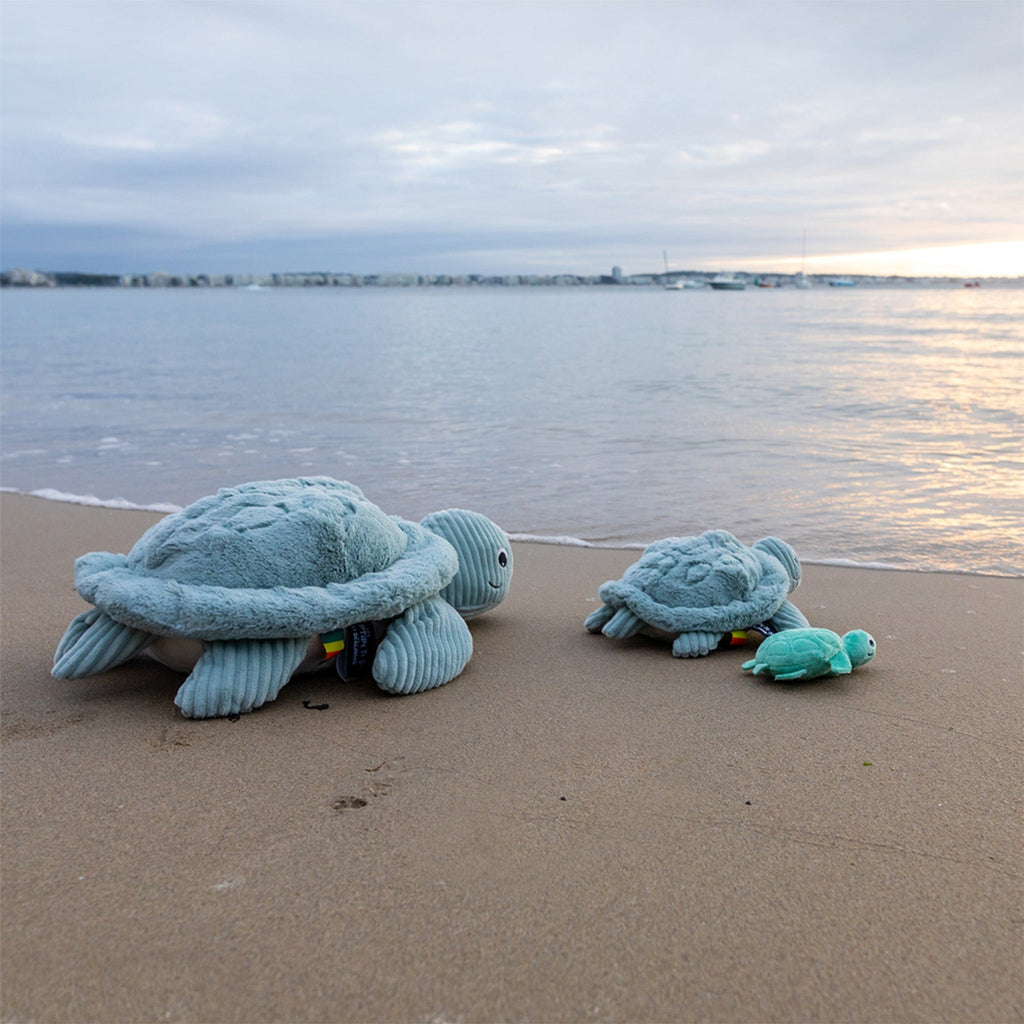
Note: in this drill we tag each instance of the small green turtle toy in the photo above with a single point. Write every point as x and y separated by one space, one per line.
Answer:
809 653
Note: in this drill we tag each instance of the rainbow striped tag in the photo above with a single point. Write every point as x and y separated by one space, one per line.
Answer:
333 642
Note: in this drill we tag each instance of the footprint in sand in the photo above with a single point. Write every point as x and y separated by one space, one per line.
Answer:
379 782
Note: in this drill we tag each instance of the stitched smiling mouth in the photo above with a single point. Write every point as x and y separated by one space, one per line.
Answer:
497 586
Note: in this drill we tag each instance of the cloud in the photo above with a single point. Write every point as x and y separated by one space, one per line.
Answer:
715 130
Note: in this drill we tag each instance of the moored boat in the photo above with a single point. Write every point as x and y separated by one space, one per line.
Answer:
727 283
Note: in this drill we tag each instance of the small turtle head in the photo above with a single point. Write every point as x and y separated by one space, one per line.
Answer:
485 560
783 553
859 646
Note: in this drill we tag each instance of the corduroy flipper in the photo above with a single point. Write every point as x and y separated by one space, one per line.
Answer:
788 616
622 625
785 555
93 643
695 645
234 676
425 647
596 619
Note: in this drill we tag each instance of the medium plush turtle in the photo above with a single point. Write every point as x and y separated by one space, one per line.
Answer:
810 653
695 590
247 586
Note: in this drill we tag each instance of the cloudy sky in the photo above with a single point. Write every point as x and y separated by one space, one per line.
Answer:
503 137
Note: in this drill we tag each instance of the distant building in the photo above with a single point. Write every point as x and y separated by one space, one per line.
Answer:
617 274
21 278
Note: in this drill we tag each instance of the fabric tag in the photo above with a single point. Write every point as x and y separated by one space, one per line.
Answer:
356 657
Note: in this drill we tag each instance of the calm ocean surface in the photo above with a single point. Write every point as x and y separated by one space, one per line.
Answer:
870 425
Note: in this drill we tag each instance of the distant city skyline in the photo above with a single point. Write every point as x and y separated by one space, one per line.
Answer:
20 277
986 260
500 137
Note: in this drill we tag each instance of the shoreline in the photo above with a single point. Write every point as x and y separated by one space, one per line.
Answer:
572 830
165 508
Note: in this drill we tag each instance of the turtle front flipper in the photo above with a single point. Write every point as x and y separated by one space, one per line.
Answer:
596 620
623 624
695 644
428 645
788 616
840 664
93 643
234 676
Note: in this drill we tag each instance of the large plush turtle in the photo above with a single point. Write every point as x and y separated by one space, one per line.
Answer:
251 584
810 653
695 590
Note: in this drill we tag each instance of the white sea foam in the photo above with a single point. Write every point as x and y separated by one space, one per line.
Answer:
531 538
846 563
572 542
50 494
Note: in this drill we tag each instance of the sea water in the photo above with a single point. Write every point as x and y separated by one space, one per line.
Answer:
878 426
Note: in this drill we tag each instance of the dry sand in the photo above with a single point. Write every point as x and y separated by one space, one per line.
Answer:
573 830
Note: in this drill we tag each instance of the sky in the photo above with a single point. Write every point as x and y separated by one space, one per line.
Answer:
528 136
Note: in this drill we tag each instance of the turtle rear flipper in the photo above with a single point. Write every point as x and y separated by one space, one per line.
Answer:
428 645
788 616
93 643
796 673
234 676
695 644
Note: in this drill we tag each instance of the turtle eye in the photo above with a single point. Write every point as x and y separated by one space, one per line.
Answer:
503 558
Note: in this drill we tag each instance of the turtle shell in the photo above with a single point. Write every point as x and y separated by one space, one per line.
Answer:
712 582
281 558
791 650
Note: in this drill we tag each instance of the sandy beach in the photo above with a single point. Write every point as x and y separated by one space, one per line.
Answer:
573 830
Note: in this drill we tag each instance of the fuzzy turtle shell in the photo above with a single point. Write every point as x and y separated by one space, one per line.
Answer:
712 582
272 559
799 648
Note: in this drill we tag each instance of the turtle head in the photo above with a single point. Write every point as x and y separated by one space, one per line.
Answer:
485 560
859 646
783 553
